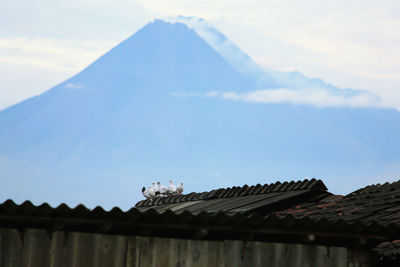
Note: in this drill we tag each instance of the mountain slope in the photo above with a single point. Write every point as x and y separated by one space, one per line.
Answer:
143 112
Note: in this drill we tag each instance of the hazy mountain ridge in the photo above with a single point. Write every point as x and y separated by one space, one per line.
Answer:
267 78
115 126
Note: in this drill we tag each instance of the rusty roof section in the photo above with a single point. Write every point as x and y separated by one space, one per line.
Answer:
389 250
239 191
369 204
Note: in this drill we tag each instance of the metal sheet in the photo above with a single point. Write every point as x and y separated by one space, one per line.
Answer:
40 249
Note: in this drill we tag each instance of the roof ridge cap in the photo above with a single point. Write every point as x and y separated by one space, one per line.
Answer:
371 188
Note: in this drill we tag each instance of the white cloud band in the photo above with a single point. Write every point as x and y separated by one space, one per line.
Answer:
311 97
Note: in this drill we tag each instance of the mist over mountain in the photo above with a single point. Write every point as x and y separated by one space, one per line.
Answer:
178 100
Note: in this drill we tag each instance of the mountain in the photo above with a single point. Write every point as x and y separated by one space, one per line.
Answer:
152 109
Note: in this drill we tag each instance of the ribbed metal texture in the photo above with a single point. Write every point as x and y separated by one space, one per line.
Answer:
37 248
236 191
235 211
80 218
233 205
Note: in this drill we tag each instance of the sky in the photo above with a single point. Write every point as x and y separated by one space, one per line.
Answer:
350 44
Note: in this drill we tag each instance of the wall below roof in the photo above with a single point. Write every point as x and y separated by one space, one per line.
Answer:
39 248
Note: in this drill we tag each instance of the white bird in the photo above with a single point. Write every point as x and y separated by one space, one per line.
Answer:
151 193
171 188
179 188
145 192
162 189
157 189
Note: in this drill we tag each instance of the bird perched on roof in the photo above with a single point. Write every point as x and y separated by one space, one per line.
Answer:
144 192
162 189
171 190
151 193
179 188
156 190
148 193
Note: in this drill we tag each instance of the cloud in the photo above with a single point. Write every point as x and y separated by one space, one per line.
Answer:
311 97
211 94
48 53
76 86
82 20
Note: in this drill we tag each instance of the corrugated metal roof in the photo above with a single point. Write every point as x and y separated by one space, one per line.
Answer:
376 188
260 198
27 215
231 214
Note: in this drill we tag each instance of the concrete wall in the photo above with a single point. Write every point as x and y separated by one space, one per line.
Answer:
38 248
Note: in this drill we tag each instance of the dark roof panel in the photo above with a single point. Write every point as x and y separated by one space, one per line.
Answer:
313 184
240 198
268 201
